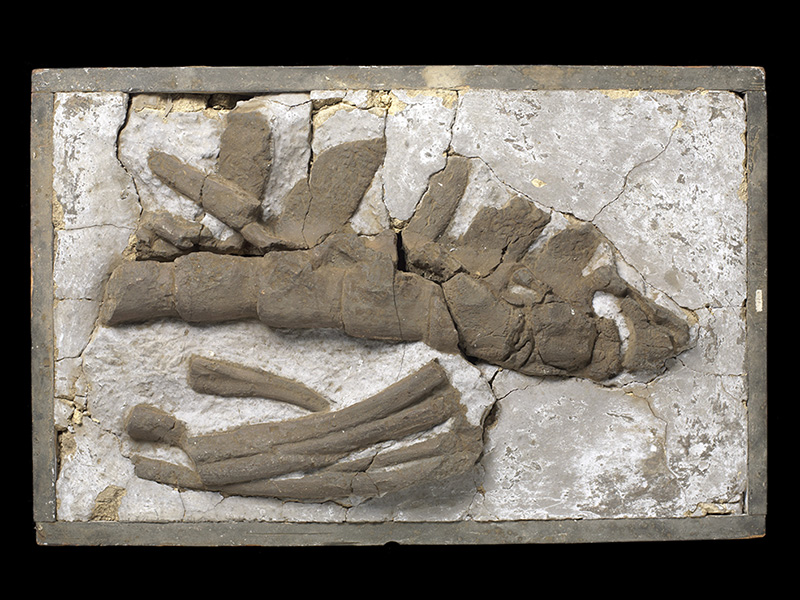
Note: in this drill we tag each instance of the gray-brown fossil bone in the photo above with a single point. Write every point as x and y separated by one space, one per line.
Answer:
323 456
340 284
225 378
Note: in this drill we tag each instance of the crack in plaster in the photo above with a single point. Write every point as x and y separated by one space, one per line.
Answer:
81 412
570 215
118 146
448 152
665 442
709 373
512 188
634 167
516 389
97 225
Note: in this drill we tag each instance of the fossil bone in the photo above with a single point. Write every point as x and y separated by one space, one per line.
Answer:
224 378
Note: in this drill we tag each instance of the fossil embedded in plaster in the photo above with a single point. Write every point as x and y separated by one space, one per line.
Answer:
499 291
224 378
529 311
331 456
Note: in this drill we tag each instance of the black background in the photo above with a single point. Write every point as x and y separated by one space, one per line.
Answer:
143 35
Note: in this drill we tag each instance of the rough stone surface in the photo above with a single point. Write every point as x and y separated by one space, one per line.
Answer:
418 132
94 214
658 173
91 186
573 450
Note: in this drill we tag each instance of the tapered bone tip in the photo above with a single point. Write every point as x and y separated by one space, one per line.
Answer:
224 378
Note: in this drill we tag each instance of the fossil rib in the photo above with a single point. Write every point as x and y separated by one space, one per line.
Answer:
223 378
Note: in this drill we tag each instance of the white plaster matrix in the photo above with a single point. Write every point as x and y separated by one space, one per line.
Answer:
659 173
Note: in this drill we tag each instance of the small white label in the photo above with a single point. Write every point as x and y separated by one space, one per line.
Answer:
759 301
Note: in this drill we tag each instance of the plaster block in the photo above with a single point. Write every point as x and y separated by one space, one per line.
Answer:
653 180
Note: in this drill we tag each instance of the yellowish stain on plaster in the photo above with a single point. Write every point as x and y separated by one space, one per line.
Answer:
77 416
327 112
169 103
449 98
386 101
68 444
713 508
443 76
129 252
743 184
616 94
106 505
742 191
58 215
379 102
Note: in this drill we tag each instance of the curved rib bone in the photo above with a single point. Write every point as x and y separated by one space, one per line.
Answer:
223 378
